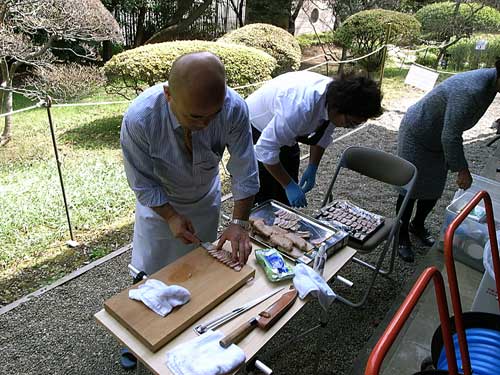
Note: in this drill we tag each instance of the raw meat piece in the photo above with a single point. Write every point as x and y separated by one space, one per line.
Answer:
282 242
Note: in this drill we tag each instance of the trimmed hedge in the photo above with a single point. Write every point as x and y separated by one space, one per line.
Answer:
436 19
148 65
365 31
275 41
464 56
308 40
427 58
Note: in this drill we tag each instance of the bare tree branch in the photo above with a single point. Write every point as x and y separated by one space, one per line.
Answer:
166 34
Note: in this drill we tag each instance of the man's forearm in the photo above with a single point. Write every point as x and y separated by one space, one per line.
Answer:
315 154
242 208
166 211
279 173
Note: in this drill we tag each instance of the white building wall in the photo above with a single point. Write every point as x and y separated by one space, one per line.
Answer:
325 20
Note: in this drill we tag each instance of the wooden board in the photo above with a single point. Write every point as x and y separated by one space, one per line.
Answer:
209 283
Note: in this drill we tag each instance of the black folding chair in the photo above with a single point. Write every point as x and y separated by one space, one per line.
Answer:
389 169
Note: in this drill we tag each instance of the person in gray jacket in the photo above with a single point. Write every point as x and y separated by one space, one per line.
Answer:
430 136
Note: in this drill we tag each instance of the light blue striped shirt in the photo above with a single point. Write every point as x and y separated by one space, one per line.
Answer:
158 167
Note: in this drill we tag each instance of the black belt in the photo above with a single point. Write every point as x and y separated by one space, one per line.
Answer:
309 139
314 137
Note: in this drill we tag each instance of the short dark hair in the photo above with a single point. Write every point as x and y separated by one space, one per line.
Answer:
497 65
354 95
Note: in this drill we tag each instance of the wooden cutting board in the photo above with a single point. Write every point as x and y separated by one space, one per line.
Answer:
209 283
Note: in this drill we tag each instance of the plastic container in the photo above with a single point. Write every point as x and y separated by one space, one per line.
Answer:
486 299
472 235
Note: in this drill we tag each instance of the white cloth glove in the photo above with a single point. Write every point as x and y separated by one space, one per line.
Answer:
307 281
159 297
204 356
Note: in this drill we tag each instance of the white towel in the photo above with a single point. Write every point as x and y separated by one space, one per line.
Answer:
306 281
204 356
159 297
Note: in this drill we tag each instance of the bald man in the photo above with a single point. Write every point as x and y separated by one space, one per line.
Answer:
173 137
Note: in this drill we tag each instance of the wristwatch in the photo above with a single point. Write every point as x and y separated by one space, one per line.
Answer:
245 224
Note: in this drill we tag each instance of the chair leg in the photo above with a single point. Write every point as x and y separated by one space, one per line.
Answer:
376 270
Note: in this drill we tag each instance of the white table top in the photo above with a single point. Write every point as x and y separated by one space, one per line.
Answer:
252 343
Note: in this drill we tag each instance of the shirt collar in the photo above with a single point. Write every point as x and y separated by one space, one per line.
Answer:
173 120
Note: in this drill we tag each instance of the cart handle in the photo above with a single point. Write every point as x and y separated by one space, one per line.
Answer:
452 275
391 332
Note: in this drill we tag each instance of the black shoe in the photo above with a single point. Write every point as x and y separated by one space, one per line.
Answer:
405 252
422 234
127 359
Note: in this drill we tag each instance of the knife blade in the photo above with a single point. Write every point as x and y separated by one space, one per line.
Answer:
264 320
220 320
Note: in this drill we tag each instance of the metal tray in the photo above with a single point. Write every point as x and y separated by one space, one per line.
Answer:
351 207
334 239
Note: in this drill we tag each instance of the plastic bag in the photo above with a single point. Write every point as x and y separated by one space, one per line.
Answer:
273 264
488 259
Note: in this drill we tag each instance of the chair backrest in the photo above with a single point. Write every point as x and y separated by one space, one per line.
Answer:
379 165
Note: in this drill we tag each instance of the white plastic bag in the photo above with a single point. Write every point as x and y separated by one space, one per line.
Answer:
488 259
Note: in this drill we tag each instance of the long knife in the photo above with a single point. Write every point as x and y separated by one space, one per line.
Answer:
220 320
264 320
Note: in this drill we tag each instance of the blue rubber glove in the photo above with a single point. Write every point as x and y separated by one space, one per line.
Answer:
308 178
295 195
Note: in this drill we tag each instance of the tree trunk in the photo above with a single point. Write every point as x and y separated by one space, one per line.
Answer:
238 9
139 35
293 17
6 133
340 71
169 32
277 12
107 50
7 129
8 78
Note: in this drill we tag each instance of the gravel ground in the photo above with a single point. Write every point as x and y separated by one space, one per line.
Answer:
57 334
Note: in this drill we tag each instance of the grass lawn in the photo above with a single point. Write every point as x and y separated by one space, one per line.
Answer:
34 228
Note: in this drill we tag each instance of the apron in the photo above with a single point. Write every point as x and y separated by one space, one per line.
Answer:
195 195
154 245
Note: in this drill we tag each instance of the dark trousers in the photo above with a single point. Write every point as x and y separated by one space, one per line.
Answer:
269 187
424 208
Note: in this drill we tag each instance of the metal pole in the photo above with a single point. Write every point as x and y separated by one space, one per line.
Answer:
384 54
48 104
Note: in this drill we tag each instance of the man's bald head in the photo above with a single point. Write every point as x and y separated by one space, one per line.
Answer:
199 75
196 89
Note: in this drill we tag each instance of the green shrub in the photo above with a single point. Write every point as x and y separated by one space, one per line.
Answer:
277 42
309 40
365 31
427 57
437 20
464 56
150 64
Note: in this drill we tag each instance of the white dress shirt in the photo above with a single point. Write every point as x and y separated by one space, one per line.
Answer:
290 105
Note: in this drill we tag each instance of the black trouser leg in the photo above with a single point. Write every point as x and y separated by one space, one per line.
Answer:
405 218
424 208
269 187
